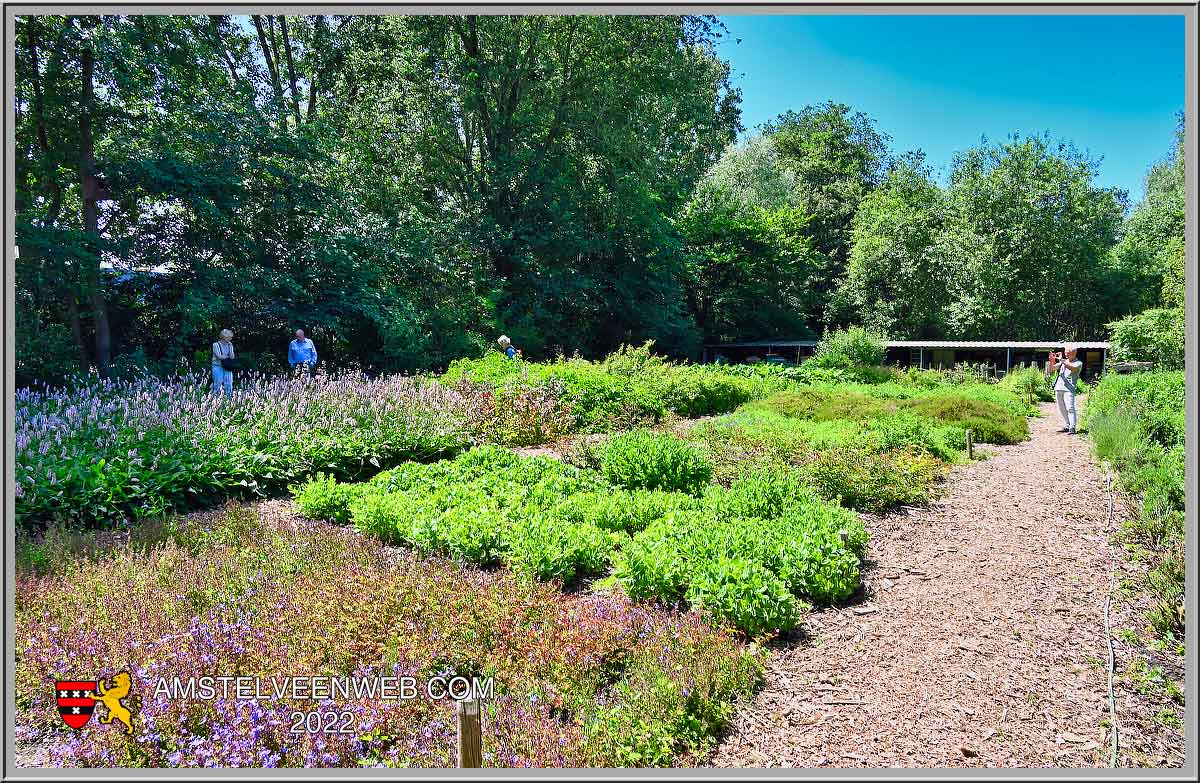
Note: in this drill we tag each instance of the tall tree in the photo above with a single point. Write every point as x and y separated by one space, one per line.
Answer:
1152 238
838 157
1027 232
896 280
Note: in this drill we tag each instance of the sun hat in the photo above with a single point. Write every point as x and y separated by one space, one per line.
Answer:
503 339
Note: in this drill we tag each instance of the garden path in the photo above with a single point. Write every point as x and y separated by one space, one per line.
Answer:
978 641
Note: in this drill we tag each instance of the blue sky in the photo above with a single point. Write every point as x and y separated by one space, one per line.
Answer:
1111 84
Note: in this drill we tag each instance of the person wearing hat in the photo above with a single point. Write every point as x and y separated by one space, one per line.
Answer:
1066 370
507 346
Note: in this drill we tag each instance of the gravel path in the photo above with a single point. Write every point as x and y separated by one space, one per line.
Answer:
979 640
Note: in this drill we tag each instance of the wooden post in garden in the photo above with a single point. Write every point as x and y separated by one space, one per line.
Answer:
970 446
470 739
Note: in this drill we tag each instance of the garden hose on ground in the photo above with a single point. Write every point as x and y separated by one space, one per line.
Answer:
1112 701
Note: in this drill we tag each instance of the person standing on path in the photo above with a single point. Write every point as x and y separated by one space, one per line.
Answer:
223 361
1066 369
302 353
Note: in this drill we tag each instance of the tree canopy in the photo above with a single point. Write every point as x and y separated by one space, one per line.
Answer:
406 187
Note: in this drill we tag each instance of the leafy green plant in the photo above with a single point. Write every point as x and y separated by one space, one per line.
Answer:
846 348
642 459
1136 422
745 595
323 497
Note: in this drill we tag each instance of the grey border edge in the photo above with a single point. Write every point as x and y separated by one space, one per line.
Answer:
1187 10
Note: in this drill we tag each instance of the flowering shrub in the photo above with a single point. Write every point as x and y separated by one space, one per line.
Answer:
101 450
579 680
516 416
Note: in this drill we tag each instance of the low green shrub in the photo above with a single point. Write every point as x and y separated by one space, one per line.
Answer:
988 422
632 386
554 521
324 498
1136 423
542 547
745 595
870 466
642 459
1030 384
872 481
853 347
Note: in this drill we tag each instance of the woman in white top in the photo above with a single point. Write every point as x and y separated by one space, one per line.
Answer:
222 377
1066 370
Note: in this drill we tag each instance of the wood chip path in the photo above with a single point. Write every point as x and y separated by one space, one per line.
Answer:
978 642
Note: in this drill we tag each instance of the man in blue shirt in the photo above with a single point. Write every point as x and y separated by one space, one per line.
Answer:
302 353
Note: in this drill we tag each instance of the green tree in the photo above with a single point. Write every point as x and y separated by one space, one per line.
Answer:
896 279
750 270
837 157
1151 243
1026 233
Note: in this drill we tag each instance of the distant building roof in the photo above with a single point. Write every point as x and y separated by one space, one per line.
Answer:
997 344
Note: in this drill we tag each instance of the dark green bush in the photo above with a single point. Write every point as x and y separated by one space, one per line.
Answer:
642 459
1151 336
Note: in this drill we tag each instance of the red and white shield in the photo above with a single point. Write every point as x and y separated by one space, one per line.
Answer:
76 701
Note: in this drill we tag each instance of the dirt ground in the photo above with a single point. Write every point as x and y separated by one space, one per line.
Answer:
979 639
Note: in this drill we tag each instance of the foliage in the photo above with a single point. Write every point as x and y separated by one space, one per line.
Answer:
744 594
972 260
1031 383
812 547
631 386
252 594
553 521
751 267
503 187
997 416
1137 423
895 276
849 348
836 156
1151 254
988 422
1156 335
97 451
642 459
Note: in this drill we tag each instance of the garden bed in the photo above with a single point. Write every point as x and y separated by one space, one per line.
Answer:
580 680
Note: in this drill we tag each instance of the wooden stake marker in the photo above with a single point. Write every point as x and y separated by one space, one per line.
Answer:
970 446
470 739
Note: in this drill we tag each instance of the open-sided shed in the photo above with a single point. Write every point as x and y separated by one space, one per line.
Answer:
1003 355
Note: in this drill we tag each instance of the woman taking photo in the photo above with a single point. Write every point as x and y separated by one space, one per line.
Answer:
223 359
1066 373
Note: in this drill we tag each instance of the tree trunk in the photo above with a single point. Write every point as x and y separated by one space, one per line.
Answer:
76 330
91 191
291 66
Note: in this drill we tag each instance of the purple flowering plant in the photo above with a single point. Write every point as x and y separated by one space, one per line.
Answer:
580 679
